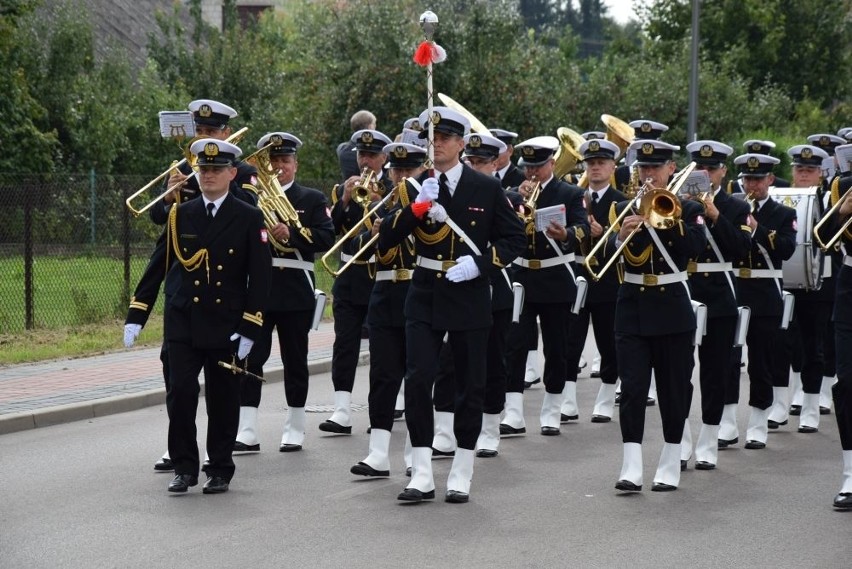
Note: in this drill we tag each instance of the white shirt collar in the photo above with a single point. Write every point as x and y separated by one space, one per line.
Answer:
453 176
288 186
216 203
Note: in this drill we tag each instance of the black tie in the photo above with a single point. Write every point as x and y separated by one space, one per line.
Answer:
443 185
756 207
594 198
210 207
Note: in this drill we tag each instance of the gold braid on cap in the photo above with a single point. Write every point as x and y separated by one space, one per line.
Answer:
194 262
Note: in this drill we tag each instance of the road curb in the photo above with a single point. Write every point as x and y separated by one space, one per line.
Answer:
59 414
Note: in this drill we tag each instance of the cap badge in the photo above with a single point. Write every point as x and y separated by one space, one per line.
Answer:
528 151
367 137
753 163
211 149
823 141
647 148
645 127
415 125
594 146
475 142
706 151
400 152
755 147
276 140
205 110
807 153
436 117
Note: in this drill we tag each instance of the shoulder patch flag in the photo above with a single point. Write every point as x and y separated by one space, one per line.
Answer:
264 236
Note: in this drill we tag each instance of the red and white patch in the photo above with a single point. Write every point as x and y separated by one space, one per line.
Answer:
264 236
699 220
795 225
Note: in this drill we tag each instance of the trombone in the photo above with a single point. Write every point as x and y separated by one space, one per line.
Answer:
659 205
361 191
825 218
188 158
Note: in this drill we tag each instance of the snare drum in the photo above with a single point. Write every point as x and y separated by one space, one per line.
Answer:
804 270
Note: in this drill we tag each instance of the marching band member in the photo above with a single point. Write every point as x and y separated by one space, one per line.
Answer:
545 270
214 317
211 119
385 320
290 306
811 315
759 275
642 130
599 156
757 147
712 283
352 288
509 174
464 231
655 262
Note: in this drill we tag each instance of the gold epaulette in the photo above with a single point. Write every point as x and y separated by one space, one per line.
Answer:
835 190
730 188
402 194
612 217
256 318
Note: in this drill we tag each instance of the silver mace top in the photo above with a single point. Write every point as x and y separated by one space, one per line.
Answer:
428 22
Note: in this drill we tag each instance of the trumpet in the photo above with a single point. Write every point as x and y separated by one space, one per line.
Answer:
362 189
825 246
188 158
271 199
368 218
527 214
660 207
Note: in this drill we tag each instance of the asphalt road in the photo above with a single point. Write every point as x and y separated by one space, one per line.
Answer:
84 494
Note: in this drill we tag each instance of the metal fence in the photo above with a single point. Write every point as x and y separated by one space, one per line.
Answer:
70 251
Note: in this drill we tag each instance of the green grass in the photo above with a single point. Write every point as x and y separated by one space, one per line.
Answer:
78 307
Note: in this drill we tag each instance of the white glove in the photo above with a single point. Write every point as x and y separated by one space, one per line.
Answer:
245 346
465 269
428 191
437 213
131 332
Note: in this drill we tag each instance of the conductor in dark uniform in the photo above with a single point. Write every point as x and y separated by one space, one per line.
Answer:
842 390
221 245
509 174
654 320
211 119
291 303
759 274
545 269
599 156
464 231
385 319
352 288
713 284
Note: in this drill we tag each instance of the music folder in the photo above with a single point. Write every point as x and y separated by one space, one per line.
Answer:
544 215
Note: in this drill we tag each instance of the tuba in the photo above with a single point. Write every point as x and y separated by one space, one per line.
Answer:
618 132
568 154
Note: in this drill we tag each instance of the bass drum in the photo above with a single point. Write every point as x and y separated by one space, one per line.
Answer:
804 270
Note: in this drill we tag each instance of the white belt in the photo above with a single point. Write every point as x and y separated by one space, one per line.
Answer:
434 265
346 258
395 275
709 267
654 280
847 260
544 263
746 273
292 264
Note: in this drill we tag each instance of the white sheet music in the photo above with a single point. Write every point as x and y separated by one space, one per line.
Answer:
176 124
545 215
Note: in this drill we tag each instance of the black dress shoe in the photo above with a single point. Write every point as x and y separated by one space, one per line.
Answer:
684 464
288 447
825 411
601 419
243 447
725 443
215 485
755 445
843 501
528 384
486 453
164 465
595 374
442 453
398 414
510 430
456 497
549 431
795 410
332 427
807 430
650 402
704 465
183 482
627 486
563 418
364 469
205 465
414 495
775 424
618 398
662 487
408 471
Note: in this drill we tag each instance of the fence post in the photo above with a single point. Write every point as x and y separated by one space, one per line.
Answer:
125 230
29 320
93 199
